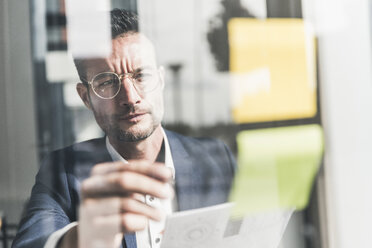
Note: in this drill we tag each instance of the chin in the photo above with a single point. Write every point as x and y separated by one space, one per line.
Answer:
137 132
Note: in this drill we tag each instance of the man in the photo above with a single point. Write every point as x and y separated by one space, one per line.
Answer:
124 183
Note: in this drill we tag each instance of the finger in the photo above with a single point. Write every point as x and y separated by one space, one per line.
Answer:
127 222
133 222
155 170
101 206
110 226
129 205
95 229
125 183
116 205
138 197
118 239
109 167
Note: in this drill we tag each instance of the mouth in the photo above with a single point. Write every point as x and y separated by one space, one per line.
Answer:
134 118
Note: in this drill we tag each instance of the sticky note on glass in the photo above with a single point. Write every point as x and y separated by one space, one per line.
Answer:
273 69
60 67
88 28
277 167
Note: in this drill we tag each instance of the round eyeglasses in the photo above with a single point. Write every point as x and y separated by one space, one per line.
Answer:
106 85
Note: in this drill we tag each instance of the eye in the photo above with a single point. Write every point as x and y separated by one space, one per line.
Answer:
142 76
106 83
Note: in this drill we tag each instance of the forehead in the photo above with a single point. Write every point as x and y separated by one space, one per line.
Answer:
133 47
129 52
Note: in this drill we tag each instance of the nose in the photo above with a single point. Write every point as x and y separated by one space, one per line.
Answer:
128 93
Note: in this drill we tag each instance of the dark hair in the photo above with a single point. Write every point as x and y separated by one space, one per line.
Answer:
122 22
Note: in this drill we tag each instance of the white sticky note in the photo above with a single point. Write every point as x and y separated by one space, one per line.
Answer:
60 67
257 7
88 28
249 83
70 96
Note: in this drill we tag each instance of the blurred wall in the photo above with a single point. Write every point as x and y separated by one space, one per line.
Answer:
18 159
346 86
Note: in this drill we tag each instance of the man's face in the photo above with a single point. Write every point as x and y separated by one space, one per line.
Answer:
130 115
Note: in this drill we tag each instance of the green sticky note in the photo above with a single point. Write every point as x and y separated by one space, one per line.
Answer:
277 167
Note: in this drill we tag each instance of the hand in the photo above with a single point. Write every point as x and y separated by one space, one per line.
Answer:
112 201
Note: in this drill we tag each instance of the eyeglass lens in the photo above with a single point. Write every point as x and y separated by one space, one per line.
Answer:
107 85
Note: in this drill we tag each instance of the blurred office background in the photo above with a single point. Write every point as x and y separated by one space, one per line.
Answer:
41 112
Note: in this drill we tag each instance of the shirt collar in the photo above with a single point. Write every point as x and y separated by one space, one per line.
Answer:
168 154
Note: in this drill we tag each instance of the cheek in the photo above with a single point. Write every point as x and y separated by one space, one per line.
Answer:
160 109
103 107
104 111
157 105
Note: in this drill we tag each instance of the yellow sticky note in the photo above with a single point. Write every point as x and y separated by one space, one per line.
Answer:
273 69
277 167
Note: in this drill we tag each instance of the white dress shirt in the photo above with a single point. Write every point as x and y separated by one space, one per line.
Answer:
150 237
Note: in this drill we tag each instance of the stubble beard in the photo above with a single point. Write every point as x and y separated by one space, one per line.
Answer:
137 132
132 135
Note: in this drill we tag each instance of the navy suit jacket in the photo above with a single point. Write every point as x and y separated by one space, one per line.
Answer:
204 172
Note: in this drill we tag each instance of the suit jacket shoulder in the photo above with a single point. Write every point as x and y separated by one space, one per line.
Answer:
55 195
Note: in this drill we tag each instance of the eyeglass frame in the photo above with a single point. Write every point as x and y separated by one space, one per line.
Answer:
120 77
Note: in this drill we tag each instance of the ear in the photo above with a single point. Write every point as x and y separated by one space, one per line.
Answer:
162 76
83 92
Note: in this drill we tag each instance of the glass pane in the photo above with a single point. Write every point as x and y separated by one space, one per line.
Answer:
223 144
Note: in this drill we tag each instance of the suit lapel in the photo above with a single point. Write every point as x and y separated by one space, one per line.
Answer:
200 179
84 159
188 175
129 241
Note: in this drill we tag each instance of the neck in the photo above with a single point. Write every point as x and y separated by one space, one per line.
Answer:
147 149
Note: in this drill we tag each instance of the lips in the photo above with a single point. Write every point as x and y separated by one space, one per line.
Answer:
134 117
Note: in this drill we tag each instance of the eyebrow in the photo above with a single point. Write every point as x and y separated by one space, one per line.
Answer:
139 69
143 68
